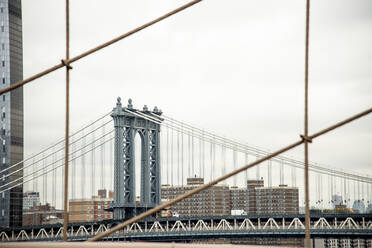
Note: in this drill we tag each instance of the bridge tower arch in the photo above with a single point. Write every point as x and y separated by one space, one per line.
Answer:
129 122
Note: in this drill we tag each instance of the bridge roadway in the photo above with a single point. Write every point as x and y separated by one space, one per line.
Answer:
206 227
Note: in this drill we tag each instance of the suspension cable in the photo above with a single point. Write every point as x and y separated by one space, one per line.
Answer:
242 148
52 146
56 167
40 169
255 151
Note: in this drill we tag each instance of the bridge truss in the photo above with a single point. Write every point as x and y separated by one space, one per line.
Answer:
187 229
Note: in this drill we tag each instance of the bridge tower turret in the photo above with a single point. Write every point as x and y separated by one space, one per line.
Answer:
129 122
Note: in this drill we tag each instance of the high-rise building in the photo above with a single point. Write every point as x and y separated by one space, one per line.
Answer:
31 199
251 201
239 198
11 107
277 200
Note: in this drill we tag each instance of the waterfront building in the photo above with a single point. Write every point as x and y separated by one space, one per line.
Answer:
251 198
214 201
277 200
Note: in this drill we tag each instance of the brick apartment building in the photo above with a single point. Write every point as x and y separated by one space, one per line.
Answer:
82 210
213 201
277 200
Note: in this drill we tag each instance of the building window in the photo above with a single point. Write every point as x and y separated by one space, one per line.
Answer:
3 80
3 63
4 98
3 46
2 212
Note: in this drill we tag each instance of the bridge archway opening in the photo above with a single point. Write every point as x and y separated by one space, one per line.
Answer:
138 158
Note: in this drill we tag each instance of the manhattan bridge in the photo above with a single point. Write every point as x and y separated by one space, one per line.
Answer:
133 151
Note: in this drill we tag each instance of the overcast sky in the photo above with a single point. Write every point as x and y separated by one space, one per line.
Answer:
232 67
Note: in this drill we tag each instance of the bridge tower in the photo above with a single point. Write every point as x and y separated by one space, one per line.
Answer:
128 123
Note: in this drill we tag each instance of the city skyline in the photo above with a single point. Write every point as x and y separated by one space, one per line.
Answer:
235 68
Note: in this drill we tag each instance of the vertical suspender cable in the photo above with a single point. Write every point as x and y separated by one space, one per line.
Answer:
246 171
235 178
348 192
65 212
223 158
322 190
192 153
368 195
257 169
189 155
178 158
214 157
73 178
203 154
182 155
211 161
93 175
281 172
200 158
45 181
171 161
168 155
103 158
355 191
34 180
269 176
83 172
54 181
111 155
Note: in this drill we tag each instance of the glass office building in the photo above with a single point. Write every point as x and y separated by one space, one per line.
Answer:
11 107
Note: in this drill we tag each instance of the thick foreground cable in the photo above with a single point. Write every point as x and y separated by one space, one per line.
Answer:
305 137
222 178
67 127
93 50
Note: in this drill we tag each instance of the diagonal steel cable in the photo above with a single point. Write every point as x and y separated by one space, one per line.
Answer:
57 143
34 172
97 48
226 176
